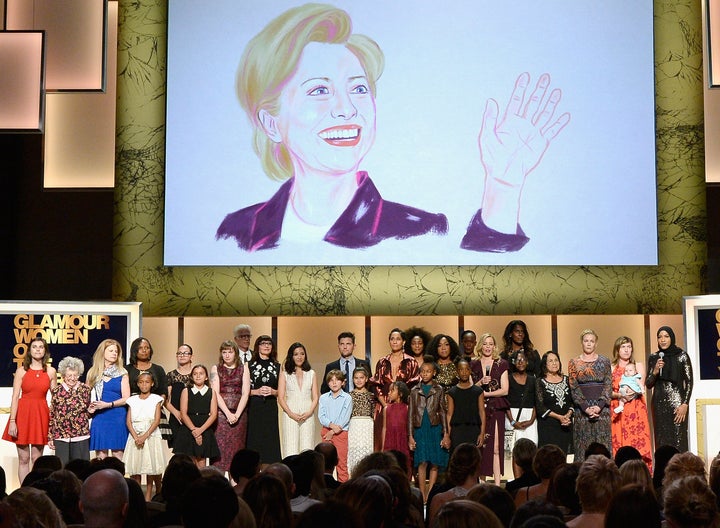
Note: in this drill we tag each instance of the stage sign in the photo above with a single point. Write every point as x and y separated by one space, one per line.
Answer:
708 327
70 329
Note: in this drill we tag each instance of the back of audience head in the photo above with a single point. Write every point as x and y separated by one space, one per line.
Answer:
35 475
597 482
633 505
177 478
464 513
245 464
370 497
714 477
284 474
330 513
498 499
51 462
137 515
302 474
52 489
625 453
663 454
8 519
209 502
269 501
377 460
33 508
317 466
3 483
562 491
684 465
330 455
69 486
402 460
533 508
104 499
111 462
404 511
547 459
596 448
689 503
523 454
543 521
80 467
464 463
636 472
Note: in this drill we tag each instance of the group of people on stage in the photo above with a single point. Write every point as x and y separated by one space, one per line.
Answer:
427 395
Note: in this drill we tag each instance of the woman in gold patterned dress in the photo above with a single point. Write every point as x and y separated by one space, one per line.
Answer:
444 350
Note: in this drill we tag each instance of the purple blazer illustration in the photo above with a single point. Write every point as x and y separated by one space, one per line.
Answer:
308 85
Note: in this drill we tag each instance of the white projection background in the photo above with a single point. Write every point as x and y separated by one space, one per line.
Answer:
590 201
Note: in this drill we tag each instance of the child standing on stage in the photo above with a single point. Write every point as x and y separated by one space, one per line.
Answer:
198 410
466 409
428 428
395 420
360 433
144 450
334 413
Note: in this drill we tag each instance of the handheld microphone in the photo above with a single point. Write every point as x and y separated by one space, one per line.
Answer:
662 355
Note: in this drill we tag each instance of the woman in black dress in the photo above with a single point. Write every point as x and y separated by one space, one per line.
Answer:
263 432
671 380
554 404
177 380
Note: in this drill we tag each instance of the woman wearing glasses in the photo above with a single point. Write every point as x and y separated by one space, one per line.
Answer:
263 432
177 380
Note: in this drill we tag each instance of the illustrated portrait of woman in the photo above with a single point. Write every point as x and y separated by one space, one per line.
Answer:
309 84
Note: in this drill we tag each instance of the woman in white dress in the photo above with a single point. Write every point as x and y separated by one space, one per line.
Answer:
298 397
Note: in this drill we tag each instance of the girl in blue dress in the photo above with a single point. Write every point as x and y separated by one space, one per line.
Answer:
428 428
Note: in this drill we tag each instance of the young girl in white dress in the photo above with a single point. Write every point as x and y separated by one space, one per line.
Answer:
144 453
360 432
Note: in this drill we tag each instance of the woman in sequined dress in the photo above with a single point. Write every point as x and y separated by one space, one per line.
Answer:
671 380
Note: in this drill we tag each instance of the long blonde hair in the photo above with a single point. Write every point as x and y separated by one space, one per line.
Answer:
98 365
478 347
271 57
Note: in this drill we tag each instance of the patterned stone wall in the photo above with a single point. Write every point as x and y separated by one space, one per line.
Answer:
213 291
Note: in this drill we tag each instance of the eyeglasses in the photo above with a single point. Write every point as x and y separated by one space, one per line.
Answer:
245 336
265 343
183 353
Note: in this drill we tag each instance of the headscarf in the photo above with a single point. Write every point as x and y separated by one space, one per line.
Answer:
672 370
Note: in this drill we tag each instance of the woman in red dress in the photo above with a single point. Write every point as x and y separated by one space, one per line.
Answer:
631 426
29 413
396 366
231 382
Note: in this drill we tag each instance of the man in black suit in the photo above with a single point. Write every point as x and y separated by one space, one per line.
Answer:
347 362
